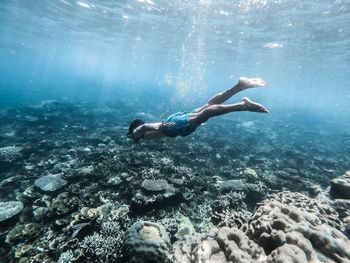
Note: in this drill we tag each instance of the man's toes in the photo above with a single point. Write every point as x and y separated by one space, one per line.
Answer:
264 109
259 82
261 108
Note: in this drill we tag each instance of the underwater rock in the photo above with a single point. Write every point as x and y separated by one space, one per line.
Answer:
10 209
50 183
342 206
347 226
85 171
11 180
146 242
314 190
233 186
86 150
250 173
340 186
288 233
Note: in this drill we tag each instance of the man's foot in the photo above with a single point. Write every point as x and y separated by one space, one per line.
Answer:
246 83
253 106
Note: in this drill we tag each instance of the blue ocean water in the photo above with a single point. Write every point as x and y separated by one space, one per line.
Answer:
189 49
74 73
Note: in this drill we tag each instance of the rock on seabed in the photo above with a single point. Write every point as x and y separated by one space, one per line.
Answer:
340 186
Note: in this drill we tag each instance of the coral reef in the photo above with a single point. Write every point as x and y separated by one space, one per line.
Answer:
104 245
50 183
63 204
10 154
219 245
100 247
230 210
289 228
285 231
320 207
66 257
155 186
260 197
22 232
146 242
156 193
9 209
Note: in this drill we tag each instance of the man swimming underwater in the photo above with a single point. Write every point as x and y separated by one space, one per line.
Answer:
184 123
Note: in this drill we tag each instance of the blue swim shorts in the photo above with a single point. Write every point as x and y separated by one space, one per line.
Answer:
182 125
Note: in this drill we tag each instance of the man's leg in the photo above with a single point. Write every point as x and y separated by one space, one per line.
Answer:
244 83
219 109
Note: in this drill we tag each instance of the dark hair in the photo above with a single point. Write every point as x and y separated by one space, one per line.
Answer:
133 125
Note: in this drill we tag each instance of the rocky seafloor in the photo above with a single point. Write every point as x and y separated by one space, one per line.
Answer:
245 189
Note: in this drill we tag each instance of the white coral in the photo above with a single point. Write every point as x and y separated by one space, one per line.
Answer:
99 246
66 257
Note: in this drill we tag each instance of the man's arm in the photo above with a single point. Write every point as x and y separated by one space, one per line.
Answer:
148 131
150 135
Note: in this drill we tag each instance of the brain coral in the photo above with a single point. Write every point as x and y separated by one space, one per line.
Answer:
146 242
289 234
224 245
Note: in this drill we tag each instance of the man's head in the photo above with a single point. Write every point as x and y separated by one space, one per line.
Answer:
133 125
